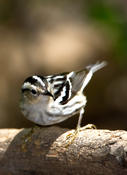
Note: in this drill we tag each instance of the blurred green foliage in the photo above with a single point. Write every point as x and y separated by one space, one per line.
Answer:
111 17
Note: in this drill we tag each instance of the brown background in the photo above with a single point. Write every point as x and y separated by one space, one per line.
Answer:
46 37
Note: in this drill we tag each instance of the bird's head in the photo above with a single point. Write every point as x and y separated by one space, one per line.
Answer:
34 88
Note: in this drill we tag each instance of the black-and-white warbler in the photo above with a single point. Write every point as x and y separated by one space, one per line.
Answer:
47 100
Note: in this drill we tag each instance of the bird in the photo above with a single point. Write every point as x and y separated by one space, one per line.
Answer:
51 99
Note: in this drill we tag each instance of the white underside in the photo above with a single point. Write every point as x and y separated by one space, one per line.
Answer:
48 113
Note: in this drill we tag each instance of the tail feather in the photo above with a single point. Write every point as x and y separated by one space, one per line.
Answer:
96 66
82 78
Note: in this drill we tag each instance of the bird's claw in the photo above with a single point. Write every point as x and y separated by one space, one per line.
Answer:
72 136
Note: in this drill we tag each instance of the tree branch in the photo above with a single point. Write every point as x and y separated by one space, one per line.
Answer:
47 151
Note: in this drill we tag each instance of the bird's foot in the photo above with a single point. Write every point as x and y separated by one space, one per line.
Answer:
89 126
72 136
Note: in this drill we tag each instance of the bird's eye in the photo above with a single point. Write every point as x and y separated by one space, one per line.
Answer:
34 92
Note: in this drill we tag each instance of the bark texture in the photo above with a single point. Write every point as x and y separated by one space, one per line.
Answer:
46 151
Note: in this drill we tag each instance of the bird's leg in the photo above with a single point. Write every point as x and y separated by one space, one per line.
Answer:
89 126
79 120
74 135
78 128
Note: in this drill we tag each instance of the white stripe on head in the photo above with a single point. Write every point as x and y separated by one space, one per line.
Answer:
28 85
39 80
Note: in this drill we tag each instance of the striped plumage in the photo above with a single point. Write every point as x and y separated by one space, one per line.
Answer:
48 100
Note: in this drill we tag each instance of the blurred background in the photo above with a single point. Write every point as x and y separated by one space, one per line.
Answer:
50 36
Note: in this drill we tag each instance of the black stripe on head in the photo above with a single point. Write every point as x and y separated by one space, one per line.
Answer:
31 80
24 90
34 81
44 81
34 92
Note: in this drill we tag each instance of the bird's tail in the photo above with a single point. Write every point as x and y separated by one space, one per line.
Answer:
97 66
81 78
91 69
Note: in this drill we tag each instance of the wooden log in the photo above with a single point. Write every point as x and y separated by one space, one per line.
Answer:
48 151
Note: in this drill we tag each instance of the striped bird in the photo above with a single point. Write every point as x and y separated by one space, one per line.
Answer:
47 100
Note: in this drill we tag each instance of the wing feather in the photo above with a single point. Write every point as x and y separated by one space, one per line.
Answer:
59 87
65 86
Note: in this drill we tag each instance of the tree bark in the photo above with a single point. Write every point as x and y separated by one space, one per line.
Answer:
49 151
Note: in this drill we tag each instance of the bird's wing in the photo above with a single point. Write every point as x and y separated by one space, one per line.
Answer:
77 79
59 87
65 86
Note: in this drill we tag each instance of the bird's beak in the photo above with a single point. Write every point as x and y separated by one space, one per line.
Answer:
48 93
